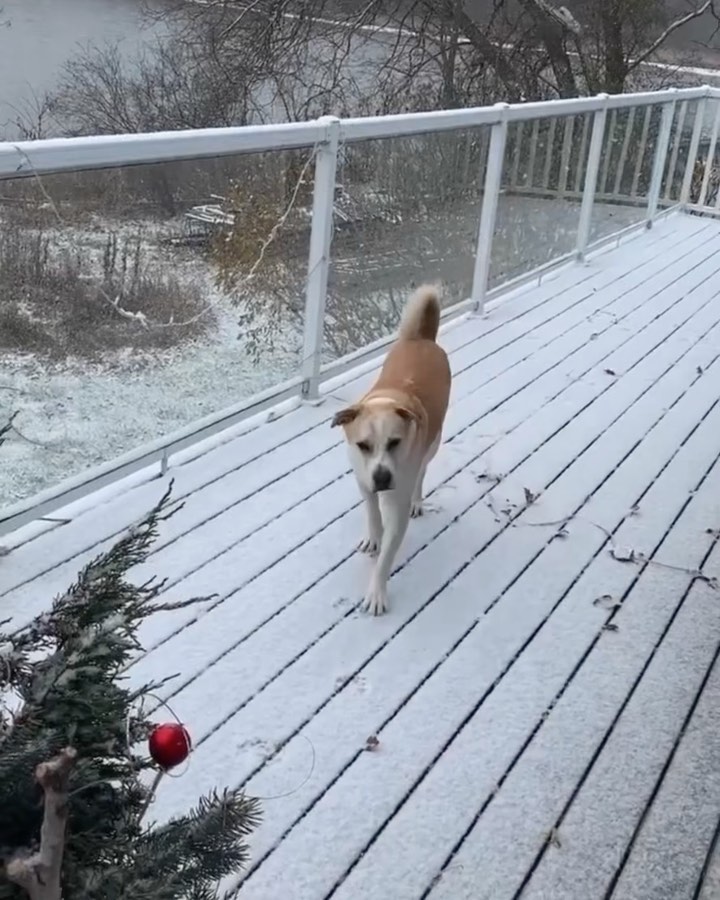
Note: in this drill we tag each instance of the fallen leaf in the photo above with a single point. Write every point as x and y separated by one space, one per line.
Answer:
611 626
623 554
553 838
562 533
529 496
699 370
635 511
610 372
594 336
372 743
607 601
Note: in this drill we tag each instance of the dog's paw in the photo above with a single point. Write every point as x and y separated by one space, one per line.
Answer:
375 601
419 508
369 545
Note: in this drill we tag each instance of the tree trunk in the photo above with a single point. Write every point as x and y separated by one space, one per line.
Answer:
552 37
615 64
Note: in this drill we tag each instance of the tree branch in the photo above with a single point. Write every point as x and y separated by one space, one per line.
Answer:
663 36
39 873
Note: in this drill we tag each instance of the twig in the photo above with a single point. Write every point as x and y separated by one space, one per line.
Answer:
664 35
633 556
151 794
4 429
28 440
697 574
39 873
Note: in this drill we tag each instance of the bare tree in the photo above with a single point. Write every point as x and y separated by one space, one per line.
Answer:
615 39
35 119
239 61
170 86
470 52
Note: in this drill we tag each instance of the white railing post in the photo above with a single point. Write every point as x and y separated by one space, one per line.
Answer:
658 169
491 195
710 158
591 178
319 257
693 151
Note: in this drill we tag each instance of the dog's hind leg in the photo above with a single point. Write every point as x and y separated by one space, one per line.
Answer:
396 514
373 536
416 507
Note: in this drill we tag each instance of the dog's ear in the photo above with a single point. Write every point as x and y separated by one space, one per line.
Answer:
407 414
345 416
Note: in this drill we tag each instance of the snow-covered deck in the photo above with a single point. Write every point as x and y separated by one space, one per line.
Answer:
539 713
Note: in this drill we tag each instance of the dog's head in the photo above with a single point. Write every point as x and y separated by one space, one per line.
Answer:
381 435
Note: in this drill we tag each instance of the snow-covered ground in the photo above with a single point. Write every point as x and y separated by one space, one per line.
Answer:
75 414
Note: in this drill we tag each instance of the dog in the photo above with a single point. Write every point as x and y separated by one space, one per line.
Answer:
394 431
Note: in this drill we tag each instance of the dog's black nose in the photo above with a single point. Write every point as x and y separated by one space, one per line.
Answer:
382 479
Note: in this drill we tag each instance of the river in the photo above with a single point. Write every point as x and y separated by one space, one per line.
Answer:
38 36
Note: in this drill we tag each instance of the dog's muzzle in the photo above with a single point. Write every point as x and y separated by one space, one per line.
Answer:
382 479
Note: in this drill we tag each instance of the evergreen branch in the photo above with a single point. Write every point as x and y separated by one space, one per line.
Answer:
39 874
64 672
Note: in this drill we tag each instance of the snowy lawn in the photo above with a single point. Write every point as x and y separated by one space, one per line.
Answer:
75 413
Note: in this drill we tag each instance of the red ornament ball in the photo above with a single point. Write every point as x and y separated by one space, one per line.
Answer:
169 744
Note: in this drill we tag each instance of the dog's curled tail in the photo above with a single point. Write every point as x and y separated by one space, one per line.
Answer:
421 316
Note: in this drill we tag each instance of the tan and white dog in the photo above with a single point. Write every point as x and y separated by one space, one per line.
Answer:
394 431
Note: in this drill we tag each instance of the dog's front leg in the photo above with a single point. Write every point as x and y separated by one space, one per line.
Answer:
371 543
416 507
396 514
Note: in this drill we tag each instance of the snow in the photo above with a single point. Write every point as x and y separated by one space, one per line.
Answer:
505 841
500 704
444 623
686 806
709 881
76 414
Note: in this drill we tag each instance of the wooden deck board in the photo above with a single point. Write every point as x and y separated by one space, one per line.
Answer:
504 707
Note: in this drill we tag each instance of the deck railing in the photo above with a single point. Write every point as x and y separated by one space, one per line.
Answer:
651 151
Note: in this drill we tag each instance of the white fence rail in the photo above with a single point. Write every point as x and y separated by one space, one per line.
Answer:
636 149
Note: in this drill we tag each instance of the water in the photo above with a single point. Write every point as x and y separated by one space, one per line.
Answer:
38 36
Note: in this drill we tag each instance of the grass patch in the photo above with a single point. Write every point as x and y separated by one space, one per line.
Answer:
56 302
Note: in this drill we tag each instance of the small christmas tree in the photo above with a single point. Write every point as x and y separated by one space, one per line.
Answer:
72 799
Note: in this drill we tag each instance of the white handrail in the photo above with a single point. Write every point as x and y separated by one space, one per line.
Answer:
24 158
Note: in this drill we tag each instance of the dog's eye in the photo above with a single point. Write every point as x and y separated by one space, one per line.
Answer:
393 443
363 446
